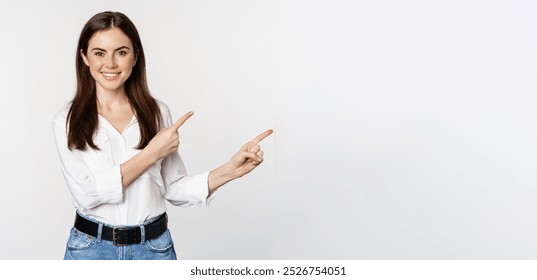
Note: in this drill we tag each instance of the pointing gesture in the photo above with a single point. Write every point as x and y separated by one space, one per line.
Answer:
245 160
252 151
182 120
167 140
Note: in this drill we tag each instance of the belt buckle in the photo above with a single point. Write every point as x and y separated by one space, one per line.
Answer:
116 237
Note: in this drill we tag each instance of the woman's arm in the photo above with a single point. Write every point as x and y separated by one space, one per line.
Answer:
183 190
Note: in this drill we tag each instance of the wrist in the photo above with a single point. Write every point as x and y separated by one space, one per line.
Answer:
219 176
148 156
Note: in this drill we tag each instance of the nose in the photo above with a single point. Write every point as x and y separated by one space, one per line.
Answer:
110 62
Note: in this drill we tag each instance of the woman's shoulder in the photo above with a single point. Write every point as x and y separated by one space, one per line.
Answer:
165 113
164 109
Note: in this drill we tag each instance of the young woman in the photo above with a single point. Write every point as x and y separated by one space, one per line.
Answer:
118 151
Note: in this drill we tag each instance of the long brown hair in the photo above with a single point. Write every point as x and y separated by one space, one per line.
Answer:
82 118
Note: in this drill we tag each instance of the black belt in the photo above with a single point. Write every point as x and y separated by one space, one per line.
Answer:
122 235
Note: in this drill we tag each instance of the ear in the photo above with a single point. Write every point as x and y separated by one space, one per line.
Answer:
84 57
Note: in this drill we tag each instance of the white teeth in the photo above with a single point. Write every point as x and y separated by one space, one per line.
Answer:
110 75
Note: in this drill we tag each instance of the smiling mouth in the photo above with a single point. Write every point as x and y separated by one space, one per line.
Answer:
110 76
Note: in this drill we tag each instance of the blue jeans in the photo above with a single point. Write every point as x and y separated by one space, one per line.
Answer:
81 246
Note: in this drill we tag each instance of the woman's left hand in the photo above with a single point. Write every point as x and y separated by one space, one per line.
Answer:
248 157
245 160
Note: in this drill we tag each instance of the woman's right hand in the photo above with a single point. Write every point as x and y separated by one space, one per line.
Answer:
162 144
167 141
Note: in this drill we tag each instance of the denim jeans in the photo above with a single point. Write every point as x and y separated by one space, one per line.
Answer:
81 246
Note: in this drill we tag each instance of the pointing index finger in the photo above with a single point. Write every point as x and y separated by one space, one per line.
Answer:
262 136
182 120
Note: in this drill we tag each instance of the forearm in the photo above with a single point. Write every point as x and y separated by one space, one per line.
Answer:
134 167
219 177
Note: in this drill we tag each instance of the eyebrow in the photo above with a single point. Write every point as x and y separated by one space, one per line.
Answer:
122 47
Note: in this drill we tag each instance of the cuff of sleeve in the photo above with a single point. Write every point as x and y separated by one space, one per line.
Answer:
109 184
198 190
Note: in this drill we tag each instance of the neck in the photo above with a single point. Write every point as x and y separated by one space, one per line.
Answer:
108 100
112 97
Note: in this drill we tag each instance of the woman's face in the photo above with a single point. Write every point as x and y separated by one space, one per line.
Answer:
110 57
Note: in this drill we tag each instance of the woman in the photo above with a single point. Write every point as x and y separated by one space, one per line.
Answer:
118 151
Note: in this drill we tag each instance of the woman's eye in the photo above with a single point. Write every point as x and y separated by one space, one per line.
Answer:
98 53
122 53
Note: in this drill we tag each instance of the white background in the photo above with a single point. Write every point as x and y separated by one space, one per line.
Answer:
403 129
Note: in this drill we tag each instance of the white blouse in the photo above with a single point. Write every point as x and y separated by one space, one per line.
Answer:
94 177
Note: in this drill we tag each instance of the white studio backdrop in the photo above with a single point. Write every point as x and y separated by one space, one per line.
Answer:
403 129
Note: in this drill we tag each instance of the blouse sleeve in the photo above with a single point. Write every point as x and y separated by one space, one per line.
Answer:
89 188
181 189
